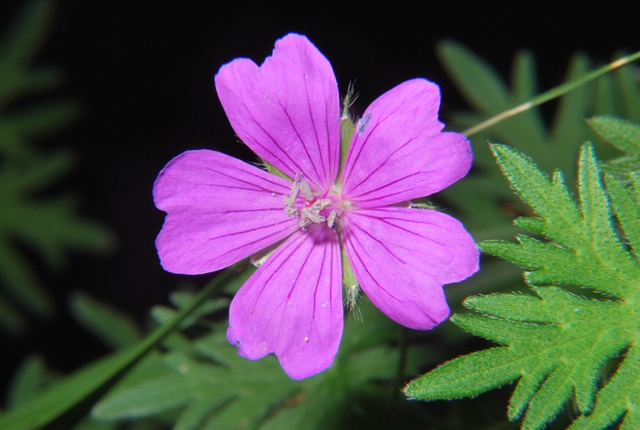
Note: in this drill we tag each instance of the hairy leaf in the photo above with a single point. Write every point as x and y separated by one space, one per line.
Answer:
29 381
556 343
625 136
112 326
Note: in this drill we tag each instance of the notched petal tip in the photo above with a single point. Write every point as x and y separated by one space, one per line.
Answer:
292 305
287 110
399 151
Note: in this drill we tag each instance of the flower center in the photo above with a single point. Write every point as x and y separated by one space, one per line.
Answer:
314 209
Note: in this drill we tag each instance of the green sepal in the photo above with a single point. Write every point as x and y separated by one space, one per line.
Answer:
422 206
346 130
350 283
348 277
346 133
275 171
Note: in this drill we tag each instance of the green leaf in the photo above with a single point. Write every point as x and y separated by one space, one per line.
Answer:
49 227
29 381
605 97
621 133
23 41
275 171
625 136
77 393
219 389
46 226
94 425
554 344
162 314
260 383
21 283
11 321
479 83
38 121
196 414
482 197
49 405
627 91
625 205
587 229
620 395
148 398
112 326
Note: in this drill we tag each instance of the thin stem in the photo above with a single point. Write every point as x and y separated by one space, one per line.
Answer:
70 400
208 291
553 93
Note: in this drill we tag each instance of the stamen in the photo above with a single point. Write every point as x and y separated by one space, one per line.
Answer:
331 220
304 187
310 213
290 201
289 207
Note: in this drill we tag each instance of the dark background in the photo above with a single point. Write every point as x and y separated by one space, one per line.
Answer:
143 73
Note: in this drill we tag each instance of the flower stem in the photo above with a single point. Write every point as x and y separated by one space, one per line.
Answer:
553 93
68 401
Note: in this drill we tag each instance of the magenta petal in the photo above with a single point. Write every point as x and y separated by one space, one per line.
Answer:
402 257
287 110
292 306
398 151
219 211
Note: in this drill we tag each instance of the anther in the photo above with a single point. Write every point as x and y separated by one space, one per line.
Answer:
311 211
304 187
311 214
331 219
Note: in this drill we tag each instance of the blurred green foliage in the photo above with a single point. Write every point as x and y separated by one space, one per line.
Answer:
212 387
486 203
29 218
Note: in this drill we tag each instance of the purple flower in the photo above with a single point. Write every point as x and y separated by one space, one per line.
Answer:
221 210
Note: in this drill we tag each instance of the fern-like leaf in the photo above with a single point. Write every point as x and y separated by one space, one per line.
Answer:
554 344
211 386
625 136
